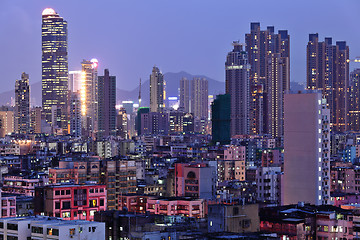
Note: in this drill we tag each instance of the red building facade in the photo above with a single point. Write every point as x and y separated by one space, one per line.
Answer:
70 202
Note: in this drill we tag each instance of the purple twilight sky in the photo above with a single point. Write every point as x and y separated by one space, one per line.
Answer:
129 37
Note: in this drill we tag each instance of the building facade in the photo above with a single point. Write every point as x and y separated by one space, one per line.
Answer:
269 57
327 70
35 119
106 101
89 97
157 91
22 105
37 227
54 65
184 95
75 114
199 98
6 122
70 202
354 101
237 70
306 149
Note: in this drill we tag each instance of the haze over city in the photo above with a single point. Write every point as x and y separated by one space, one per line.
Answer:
130 37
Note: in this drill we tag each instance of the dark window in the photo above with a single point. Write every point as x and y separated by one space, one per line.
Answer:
75 203
57 192
246 223
91 190
12 226
37 229
12 238
66 205
191 174
1 225
67 192
57 205
101 202
235 211
75 191
62 192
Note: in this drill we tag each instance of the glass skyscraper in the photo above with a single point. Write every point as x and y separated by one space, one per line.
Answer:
54 67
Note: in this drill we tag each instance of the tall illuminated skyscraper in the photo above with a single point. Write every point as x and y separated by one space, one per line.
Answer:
237 70
89 97
268 52
328 70
54 65
157 91
354 101
22 105
275 96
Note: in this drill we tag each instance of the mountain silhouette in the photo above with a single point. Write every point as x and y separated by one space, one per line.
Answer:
172 85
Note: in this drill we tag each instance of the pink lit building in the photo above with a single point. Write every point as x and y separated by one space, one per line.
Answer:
70 202
8 206
177 206
133 203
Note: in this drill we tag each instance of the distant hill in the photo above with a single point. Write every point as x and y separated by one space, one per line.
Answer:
172 86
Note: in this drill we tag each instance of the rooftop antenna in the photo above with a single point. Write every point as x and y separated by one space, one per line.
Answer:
140 94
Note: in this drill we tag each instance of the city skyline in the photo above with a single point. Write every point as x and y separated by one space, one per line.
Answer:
122 52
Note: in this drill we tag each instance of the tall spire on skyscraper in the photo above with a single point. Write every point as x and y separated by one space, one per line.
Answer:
140 93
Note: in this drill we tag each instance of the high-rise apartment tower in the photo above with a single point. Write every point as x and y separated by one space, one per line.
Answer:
157 91
327 69
106 101
306 149
237 70
22 105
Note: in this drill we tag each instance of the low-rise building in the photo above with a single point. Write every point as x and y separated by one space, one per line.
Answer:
37 227
233 217
70 202
22 186
177 206
8 205
268 181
